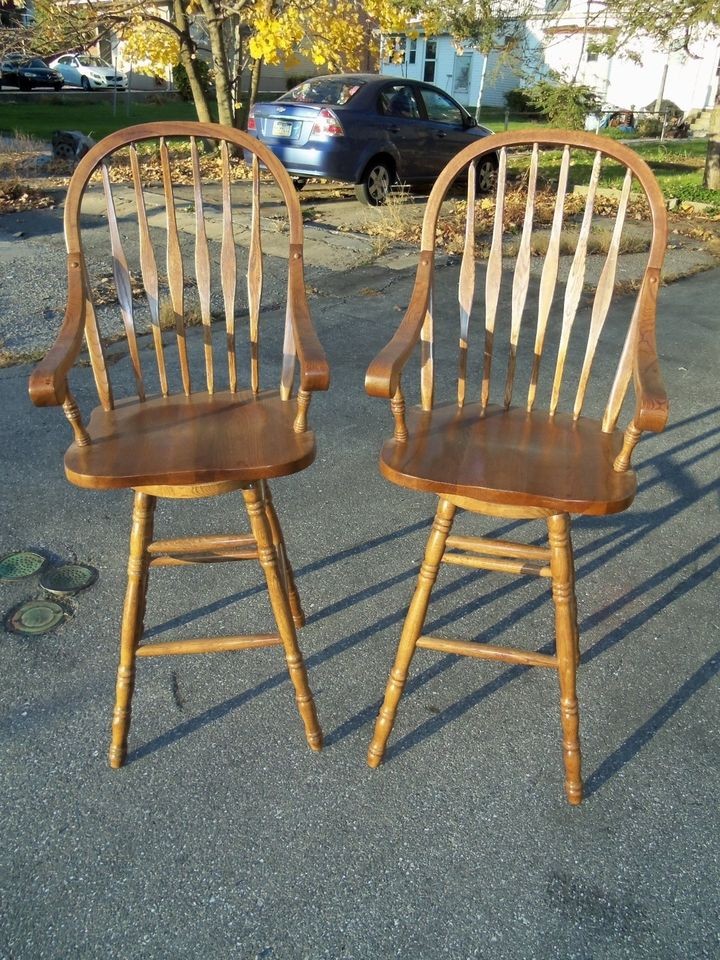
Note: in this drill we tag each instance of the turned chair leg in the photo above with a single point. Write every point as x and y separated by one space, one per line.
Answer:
411 630
566 635
286 571
132 624
280 603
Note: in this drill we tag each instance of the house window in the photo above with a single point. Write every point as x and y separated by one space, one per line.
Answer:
430 57
412 51
591 56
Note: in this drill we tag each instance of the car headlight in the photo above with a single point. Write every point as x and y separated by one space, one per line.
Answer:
97 77
26 73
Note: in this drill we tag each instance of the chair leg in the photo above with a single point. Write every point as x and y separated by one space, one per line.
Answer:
414 621
132 624
286 571
566 634
280 603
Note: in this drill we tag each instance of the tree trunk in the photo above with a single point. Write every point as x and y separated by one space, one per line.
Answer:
223 88
712 161
190 63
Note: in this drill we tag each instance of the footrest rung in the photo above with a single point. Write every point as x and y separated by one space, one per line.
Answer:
499 548
209 544
499 564
250 553
487 651
209 645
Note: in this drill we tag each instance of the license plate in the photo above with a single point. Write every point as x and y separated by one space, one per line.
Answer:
282 128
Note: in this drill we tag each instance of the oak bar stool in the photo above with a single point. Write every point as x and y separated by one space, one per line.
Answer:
189 433
513 458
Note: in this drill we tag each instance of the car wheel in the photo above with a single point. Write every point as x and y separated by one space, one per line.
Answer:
57 86
85 83
299 183
487 174
24 85
375 185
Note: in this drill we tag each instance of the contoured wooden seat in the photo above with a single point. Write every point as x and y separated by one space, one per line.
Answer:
175 240
503 445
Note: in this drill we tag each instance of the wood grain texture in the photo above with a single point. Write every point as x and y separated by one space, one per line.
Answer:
466 289
175 270
576 279
521 278
182 440
202 267
493 277
548 280
228 267
148 269
511 457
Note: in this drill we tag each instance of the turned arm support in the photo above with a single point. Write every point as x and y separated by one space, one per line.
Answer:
314 369
383 376
48 381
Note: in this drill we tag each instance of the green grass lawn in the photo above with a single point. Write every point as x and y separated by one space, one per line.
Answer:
39 118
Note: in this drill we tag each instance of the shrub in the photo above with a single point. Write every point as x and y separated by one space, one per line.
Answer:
182 84
564 103
518 101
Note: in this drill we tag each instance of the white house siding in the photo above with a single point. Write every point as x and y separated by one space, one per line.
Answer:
457 72
690 82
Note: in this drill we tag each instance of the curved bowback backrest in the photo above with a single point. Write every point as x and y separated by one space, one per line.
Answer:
183 215
549 234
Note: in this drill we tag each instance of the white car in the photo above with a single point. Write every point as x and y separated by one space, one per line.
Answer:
90 73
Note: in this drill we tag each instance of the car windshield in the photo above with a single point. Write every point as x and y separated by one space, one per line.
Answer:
92 62
34 63
333 90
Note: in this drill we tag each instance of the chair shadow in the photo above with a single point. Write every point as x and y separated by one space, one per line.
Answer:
624 531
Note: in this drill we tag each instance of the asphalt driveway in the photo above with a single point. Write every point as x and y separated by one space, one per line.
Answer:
224 836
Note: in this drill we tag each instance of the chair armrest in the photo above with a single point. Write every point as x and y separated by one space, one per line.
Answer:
652 408
383 374
48 385
314 369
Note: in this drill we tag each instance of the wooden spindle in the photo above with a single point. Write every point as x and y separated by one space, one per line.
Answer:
493 276
72 412
603 295
122 283
427 360
548 278
623 375
202 267
630 439
521 279
303 405
93 339
287 371
576 279
255 278
397 405
175 272
148 269
467 282
228 267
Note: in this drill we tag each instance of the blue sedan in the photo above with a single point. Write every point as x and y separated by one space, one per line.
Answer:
368 130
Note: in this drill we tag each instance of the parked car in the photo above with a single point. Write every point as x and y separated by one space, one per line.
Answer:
368 130
29 72
90 73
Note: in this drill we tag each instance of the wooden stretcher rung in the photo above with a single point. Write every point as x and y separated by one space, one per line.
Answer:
499 564
486 651
209 645
201 544
250 553
499 548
